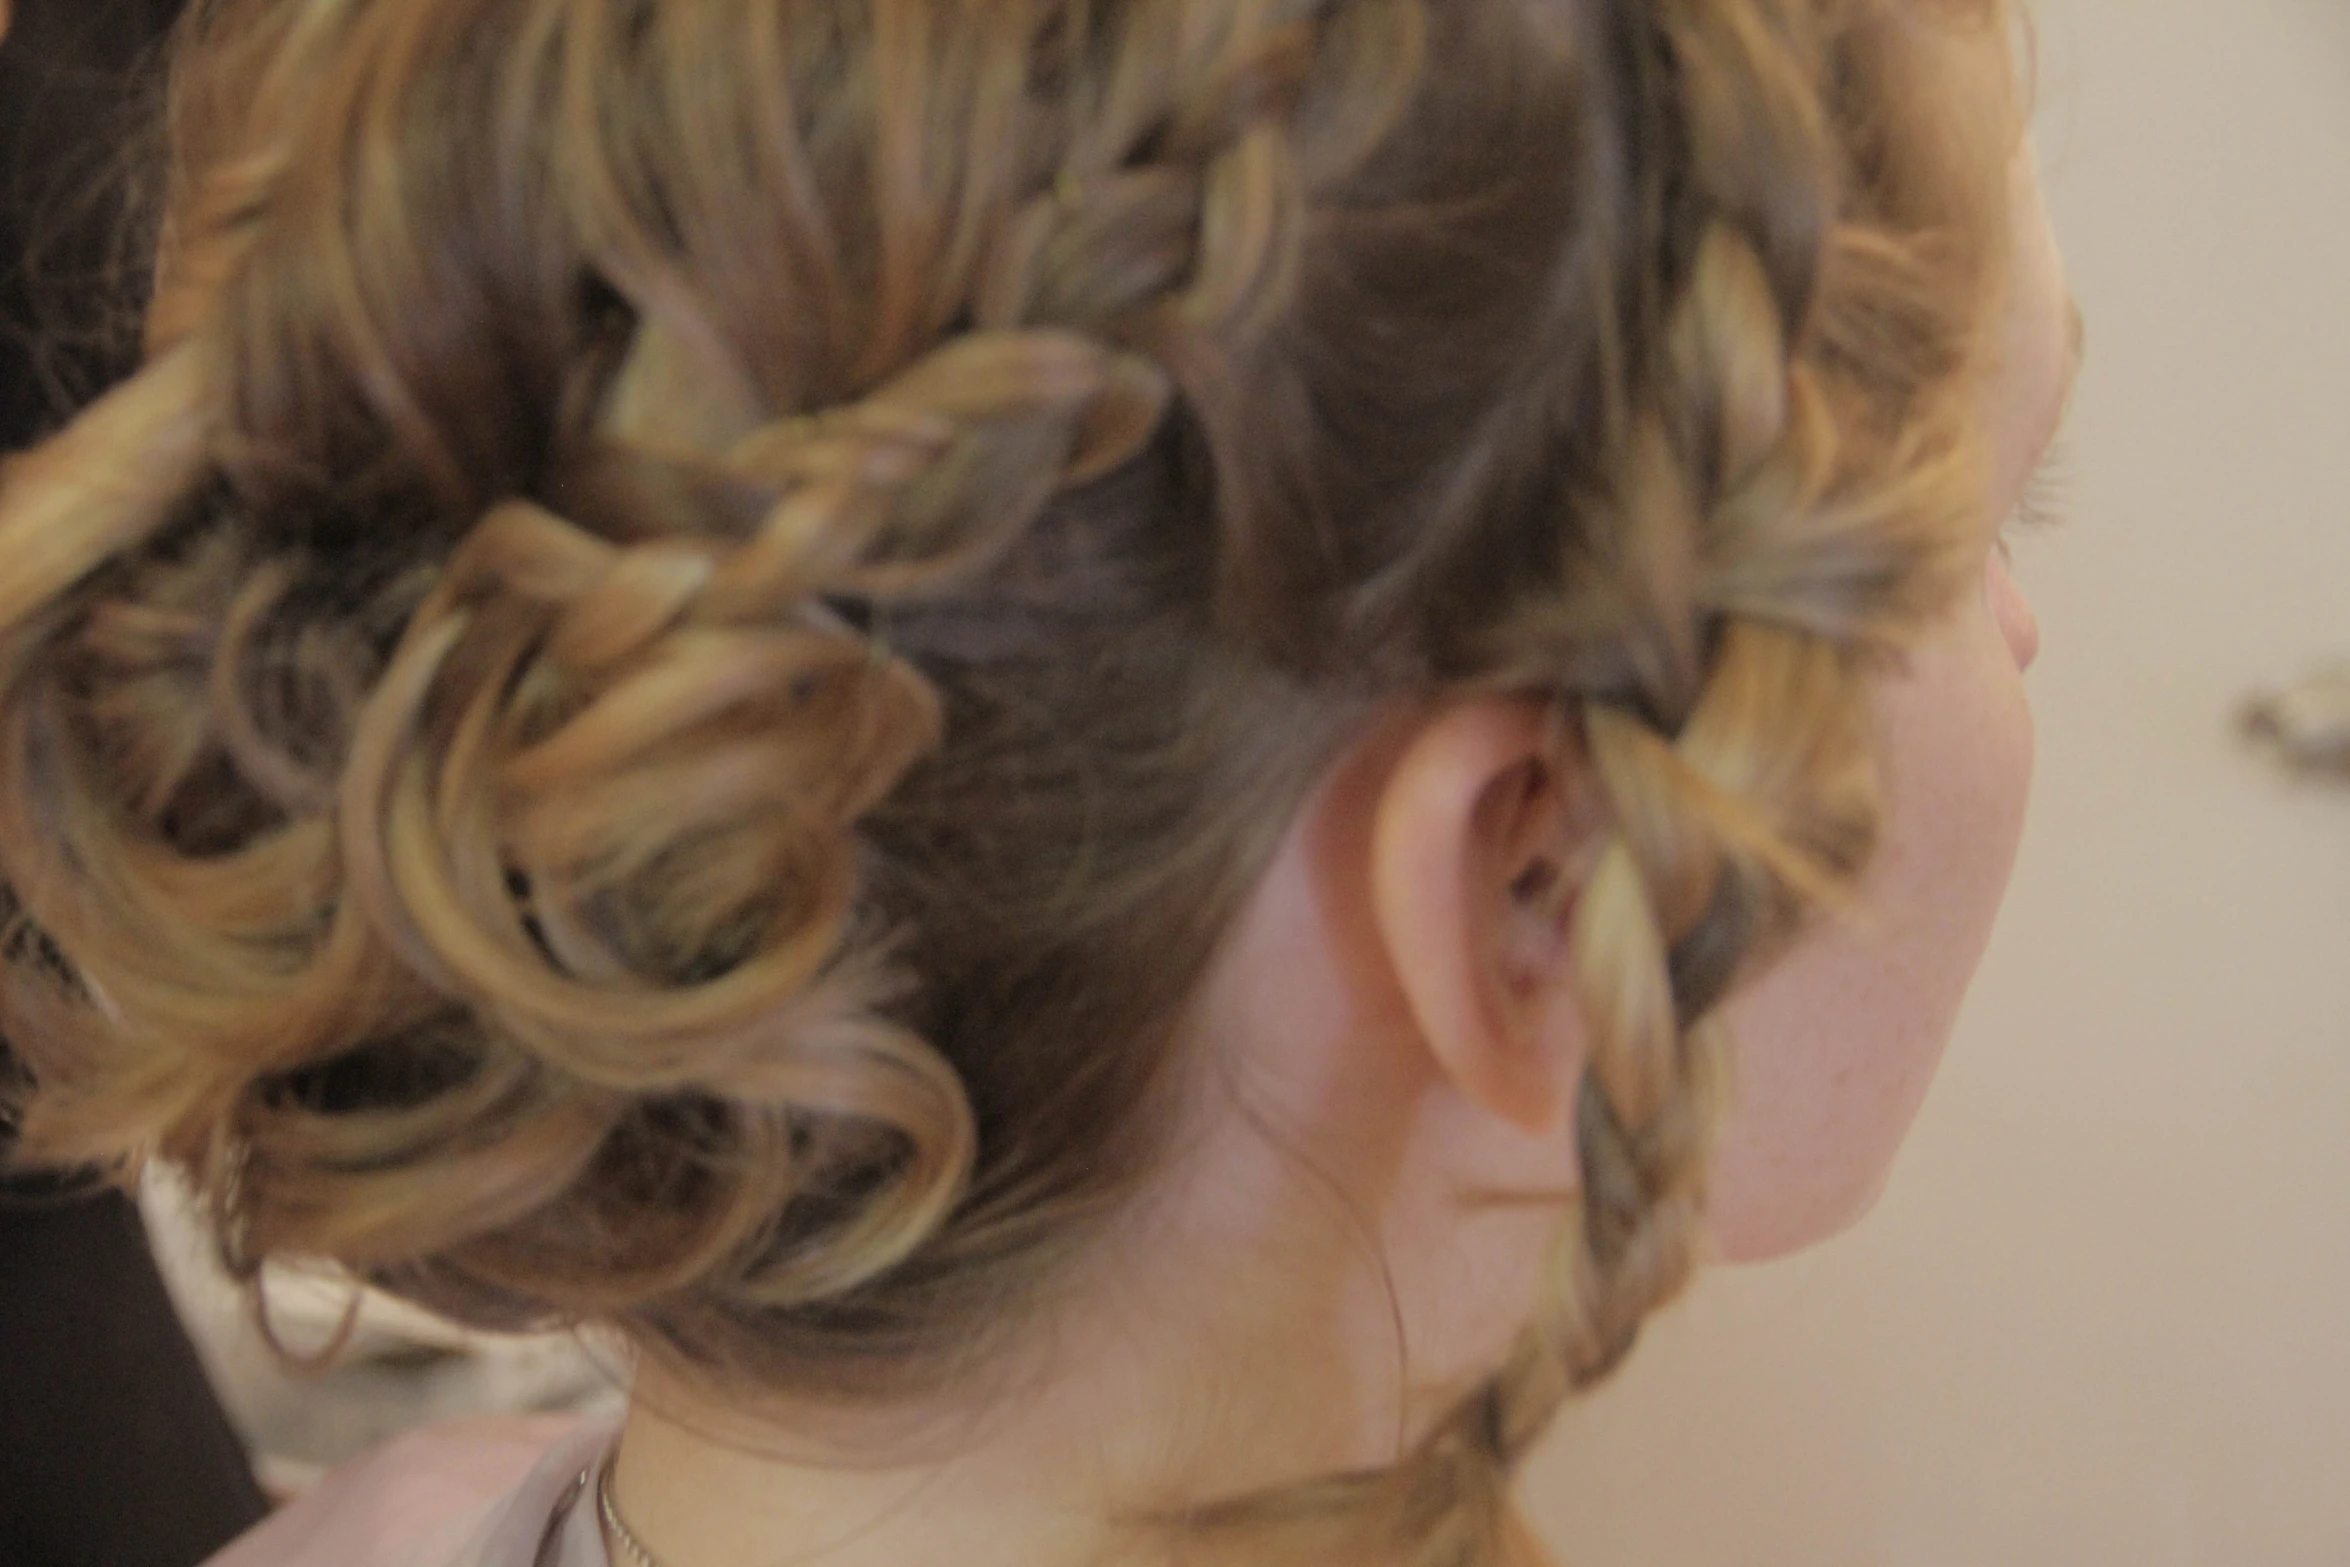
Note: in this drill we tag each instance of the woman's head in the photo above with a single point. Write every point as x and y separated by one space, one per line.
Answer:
676 698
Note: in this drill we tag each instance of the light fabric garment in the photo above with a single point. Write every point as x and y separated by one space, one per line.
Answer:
493 1493
399 1369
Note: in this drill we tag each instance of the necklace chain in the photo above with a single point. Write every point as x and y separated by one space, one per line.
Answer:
612 1521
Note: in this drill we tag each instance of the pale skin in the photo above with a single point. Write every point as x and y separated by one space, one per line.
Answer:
1413 1032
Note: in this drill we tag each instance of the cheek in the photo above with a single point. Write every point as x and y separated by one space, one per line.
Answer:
2012 613
1837 1044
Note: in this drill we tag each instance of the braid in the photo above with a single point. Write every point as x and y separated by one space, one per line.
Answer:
588 680
1176 224
707 612
489 845
1746 581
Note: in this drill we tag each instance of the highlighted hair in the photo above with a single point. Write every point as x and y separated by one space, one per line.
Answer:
706 608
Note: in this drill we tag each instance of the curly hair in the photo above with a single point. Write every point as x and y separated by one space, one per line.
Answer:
704 611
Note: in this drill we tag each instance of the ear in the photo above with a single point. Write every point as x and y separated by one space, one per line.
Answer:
1479 845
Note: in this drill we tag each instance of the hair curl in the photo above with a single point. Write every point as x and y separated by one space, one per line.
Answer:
705 609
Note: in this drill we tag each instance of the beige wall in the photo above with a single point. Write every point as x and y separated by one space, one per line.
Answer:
2104 1314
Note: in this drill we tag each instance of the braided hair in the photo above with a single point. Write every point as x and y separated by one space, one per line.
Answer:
705 610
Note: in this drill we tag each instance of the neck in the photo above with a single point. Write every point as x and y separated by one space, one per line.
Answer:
727 1504
1244 1369
1250 1326
1269 1356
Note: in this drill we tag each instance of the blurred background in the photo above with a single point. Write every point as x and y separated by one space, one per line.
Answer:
2103 1315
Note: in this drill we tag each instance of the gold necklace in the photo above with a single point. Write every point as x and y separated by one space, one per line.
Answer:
612 1521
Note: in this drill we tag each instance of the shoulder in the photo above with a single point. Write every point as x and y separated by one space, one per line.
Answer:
412 1502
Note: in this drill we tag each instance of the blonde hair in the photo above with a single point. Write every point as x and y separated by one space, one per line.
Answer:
705 609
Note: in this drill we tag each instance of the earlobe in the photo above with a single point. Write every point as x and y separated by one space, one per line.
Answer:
1475 852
